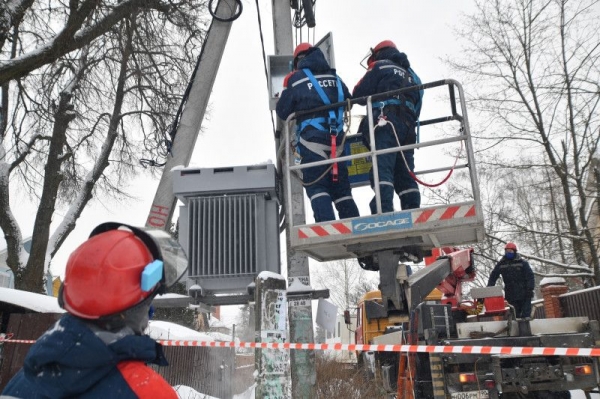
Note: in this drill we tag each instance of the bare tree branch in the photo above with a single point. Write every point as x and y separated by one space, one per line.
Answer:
71 38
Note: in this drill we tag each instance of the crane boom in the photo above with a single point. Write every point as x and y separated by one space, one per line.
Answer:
161 211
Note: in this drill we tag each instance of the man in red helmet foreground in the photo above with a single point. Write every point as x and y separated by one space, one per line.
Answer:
97 349
519 282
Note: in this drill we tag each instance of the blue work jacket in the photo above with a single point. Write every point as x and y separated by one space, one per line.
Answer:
71 361
299 94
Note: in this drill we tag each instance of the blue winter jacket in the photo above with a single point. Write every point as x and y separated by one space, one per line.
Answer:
70 361
300 95
390 71
519 281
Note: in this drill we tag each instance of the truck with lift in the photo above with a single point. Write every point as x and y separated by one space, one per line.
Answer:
486 320
401 313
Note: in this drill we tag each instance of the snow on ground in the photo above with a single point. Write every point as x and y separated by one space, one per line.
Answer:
248 394
163 330
579 394
186 392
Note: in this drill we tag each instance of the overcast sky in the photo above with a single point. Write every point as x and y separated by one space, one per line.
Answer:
238 130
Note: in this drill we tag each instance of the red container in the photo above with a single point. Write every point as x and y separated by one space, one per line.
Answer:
494 304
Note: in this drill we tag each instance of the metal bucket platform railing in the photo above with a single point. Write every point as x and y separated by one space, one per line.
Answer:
423 228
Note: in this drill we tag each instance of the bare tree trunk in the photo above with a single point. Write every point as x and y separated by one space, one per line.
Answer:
101 163
556 220
32 276
8 223
39 250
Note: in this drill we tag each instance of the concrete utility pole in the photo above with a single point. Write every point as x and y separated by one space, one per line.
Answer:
161 212
299 309
271 364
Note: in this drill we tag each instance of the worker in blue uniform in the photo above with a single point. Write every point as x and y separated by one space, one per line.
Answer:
313 84
518 278
395 118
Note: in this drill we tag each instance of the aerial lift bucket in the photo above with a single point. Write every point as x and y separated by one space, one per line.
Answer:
413 231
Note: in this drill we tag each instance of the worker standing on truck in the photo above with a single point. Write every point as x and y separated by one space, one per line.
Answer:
519 282
395 118
98 348
312 84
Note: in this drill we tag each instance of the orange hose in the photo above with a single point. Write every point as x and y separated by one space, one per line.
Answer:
405 379
401 376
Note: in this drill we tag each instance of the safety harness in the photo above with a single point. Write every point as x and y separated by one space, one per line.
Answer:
334 124
415 109
395 101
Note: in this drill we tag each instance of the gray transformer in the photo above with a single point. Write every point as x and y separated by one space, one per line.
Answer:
228 226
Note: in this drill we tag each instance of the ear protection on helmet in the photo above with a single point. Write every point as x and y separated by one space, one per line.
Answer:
118 267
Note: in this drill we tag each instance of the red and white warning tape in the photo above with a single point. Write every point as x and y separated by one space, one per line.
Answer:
484 350
488 350
418 217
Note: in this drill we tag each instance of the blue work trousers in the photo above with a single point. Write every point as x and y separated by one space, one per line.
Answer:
393 174
324 190
522 307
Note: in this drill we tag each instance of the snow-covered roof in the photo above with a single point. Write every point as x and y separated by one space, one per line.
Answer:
165 330
217 336
30 300
216 323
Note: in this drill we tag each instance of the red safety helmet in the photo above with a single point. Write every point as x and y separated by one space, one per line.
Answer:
104 275
384 44
380 46
510 245
301 49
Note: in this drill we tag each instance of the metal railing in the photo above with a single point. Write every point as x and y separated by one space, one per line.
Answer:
581 303
464 135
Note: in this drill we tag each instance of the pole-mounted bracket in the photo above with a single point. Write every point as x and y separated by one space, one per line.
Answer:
310 294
